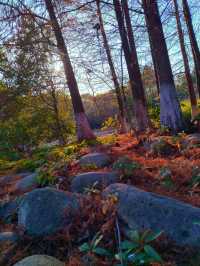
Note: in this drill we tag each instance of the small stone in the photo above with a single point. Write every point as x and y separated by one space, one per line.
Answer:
162 147
99 180
27 183
5 180
97 159
40 260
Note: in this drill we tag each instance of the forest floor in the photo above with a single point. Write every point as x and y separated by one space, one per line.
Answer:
173 172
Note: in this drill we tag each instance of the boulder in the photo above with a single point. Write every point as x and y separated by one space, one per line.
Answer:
97 159
5 180
8 236
98 180
40 260
141 210
162 147
45 211
8 210
27 183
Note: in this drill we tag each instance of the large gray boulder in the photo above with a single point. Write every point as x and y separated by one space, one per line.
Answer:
97 159
141 210
45 211
27 183
98 180
40 260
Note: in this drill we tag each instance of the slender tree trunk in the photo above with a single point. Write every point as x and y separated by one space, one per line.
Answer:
122 117
56 114
154 65
193 41
84 130
193 100
140 108
170 111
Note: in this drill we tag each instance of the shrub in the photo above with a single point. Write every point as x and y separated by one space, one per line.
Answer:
125 166
110 122
107 140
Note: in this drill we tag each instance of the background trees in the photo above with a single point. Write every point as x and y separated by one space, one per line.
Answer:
104 50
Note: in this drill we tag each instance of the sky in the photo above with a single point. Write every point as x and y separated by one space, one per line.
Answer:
87 52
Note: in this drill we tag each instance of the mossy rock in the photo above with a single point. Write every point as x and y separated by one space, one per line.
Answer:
162 147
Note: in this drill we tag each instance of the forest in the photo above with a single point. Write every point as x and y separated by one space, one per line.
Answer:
99 132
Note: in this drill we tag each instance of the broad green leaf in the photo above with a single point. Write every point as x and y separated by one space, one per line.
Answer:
136 257
128 245
84 248
121 256
96 240
153 236
134 235
152 253
102 252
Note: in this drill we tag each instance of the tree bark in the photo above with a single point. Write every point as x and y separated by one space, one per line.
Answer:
58 130
193 100
122 117
170 111
128 44
193 42
154 65
84 130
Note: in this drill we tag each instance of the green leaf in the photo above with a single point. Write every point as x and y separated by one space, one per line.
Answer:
102 252
152 236
137 257
121 256
134 235
84 247
152 253
128 245
96 240
197 223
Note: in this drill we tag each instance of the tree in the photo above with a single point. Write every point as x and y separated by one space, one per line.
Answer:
128 44
84 130
122 117
193 41
193 100
170 111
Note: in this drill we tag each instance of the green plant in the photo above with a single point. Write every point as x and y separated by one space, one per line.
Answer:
46 175
166 175
125 166
195 180
93 189
110 122
92 247
89 166
138 250
107 140
28 164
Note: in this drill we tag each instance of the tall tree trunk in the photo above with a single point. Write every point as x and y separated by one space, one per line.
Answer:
84 130
170 111
154 65
193 41
193 100
59 132
122 117
140 108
